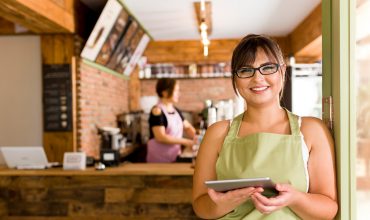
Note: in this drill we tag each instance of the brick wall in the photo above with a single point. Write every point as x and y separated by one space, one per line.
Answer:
100 98
193 92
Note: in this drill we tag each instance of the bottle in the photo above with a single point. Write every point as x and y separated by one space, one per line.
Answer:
211 116
197 142
220 114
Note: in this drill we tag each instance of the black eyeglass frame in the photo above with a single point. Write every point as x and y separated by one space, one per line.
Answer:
277 65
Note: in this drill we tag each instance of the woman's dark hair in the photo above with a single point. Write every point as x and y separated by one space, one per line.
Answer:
165 84
245 53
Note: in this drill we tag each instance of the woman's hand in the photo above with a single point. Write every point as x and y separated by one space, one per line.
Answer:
287 196
232 198
188 144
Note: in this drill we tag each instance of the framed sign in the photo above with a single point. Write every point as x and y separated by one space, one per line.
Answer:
57 97
117 40
101 30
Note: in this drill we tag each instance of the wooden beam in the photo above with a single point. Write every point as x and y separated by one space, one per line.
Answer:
189 51
310 53
69 6
207 16
6 27
45 16
284 44
308 31
9 28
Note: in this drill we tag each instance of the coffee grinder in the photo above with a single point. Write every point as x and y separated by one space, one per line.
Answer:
109 145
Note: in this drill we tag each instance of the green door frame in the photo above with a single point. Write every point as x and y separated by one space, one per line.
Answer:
338 82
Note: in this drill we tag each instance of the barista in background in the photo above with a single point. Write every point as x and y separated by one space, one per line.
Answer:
167 125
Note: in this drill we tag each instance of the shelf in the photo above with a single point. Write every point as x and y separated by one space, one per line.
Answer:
186 71
187 78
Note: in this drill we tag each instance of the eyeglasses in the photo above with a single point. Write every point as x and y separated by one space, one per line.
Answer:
267 69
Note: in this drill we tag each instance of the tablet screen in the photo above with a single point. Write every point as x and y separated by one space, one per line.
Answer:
225 185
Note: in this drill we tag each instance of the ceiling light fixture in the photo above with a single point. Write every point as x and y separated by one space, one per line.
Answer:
203 12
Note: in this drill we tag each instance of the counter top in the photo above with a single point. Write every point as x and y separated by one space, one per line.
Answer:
125 169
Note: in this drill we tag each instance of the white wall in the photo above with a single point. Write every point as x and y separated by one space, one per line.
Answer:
20 91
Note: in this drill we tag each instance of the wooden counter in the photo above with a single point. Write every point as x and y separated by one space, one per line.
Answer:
130 191
163 169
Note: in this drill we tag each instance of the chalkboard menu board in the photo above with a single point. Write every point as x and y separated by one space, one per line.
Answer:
57 97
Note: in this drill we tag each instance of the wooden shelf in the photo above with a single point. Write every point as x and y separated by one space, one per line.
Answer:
187 78
186 70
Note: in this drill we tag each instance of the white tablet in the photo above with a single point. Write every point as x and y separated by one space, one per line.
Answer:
225 185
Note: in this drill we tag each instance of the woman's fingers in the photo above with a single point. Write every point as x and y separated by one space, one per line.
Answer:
261 207
238 195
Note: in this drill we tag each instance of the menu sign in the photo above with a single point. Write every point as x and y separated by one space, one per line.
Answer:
102 30
57 97
137 54
117 40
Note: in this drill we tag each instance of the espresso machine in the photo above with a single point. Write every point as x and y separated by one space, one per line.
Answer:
130 125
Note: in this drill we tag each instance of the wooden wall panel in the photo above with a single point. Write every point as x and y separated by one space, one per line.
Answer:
3 208
134 91
6 27
56 143
174 196
58 49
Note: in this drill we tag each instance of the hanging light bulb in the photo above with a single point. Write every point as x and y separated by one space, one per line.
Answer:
204 35
205 50
203 26
206 42
202 5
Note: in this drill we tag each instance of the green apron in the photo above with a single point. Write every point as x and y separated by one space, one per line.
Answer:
277 156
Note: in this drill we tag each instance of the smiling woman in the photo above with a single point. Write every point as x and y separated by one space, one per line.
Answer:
265 141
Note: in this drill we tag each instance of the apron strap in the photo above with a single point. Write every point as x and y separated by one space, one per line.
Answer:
293 122
235 125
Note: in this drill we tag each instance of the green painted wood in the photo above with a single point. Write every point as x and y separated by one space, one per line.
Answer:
326 49
352 110
338 81
105 69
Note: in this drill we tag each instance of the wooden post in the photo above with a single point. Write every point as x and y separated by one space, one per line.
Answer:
59 49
